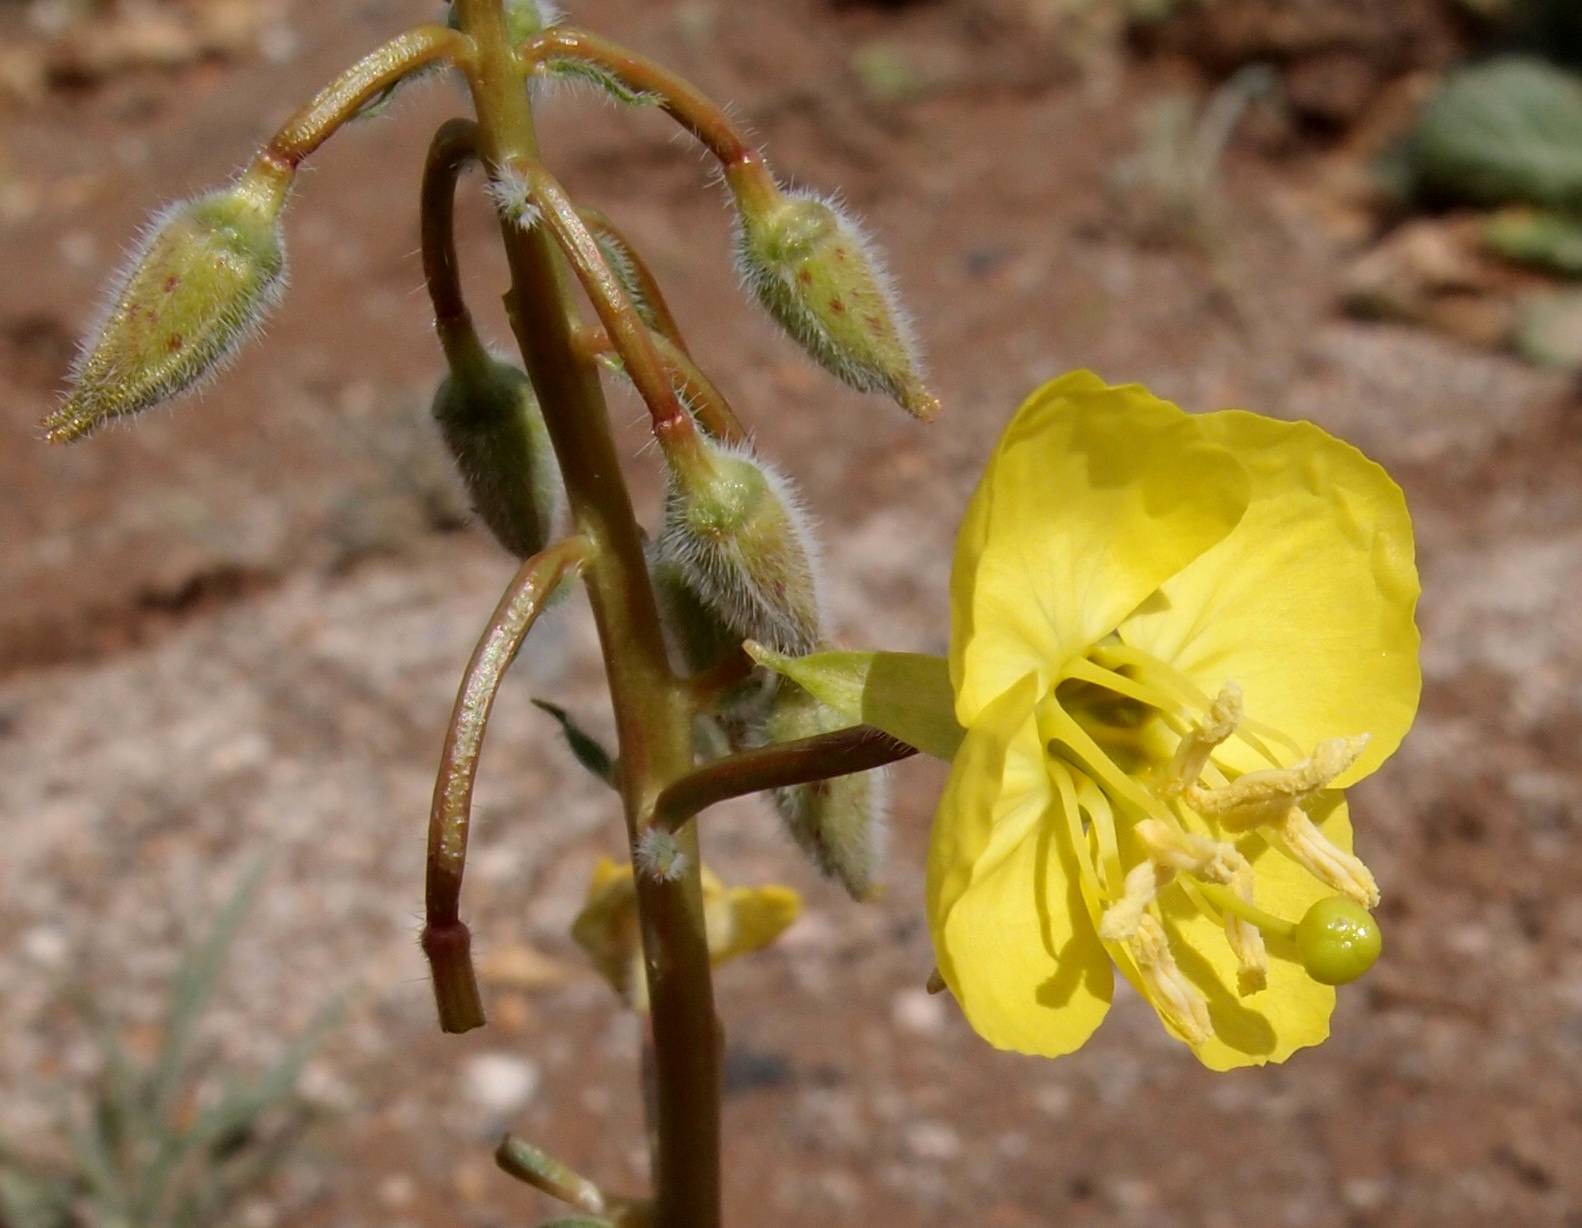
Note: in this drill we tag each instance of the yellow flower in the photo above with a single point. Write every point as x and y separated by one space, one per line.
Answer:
737 920
1175 640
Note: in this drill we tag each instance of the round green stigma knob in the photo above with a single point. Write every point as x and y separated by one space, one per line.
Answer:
1339 940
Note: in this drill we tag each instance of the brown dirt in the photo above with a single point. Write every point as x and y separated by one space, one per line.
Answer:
238 627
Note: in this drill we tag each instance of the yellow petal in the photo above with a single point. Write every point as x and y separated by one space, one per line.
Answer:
737 920
1093 498
1308 604
1012 937
1293 1011
606 928
758 915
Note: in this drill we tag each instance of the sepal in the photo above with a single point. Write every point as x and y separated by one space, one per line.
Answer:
906 694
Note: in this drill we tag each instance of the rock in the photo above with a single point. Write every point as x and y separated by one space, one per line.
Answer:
500 1083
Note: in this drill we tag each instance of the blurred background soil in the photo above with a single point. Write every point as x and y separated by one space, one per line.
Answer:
238 628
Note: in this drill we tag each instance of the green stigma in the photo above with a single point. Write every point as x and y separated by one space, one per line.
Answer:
1339 940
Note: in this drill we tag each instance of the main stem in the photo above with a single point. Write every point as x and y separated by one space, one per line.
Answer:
653 714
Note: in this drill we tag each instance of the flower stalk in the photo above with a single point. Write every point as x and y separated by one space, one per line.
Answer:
652 716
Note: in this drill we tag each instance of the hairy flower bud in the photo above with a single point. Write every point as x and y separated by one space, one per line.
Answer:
197 286
697 636
523 18
840 823
817 273
495 430
735 531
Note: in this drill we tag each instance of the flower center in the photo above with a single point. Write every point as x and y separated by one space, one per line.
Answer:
1160 808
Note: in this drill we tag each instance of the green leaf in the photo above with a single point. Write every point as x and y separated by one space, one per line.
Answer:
1548 240
1503 131
194 984
585 748
906 694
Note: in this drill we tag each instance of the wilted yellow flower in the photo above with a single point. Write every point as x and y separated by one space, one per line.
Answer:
1175 640
737 920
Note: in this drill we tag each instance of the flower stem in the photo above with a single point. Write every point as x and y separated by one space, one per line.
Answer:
713 411
379 70
682 101
613 305
541 1170
653 718
821 757
647 284
446 941
455 144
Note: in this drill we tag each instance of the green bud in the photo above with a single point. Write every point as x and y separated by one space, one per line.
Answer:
840 823
1338 940
817 273
198 285
523 18
735 532
697 635
494 429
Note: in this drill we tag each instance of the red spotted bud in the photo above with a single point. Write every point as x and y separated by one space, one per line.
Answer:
495 431
198 285
841 824
735 531
818 274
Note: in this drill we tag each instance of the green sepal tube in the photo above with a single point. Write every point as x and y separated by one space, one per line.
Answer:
195 289
495 431
840 823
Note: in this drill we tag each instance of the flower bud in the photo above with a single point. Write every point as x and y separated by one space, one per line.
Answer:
523 18
817 273
494 429
197 286
839 823
735 532
697 637
1338 940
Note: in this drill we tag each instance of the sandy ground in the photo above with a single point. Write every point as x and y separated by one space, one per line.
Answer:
237 629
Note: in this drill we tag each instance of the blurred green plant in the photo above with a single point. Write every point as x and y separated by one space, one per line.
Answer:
1507 131
154 1149
1544 239
1168 188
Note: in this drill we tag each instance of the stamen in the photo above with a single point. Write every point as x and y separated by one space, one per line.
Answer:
1246 940
1332 866
1096 806
1121 919
1214 861
1167 678
1086 874
1172 995
1192 755
1111 680
1264 797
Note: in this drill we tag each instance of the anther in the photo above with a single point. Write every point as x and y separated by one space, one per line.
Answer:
1214 861
1192 755
1246 940
1121 919
1331 865
1173 996
1264 796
